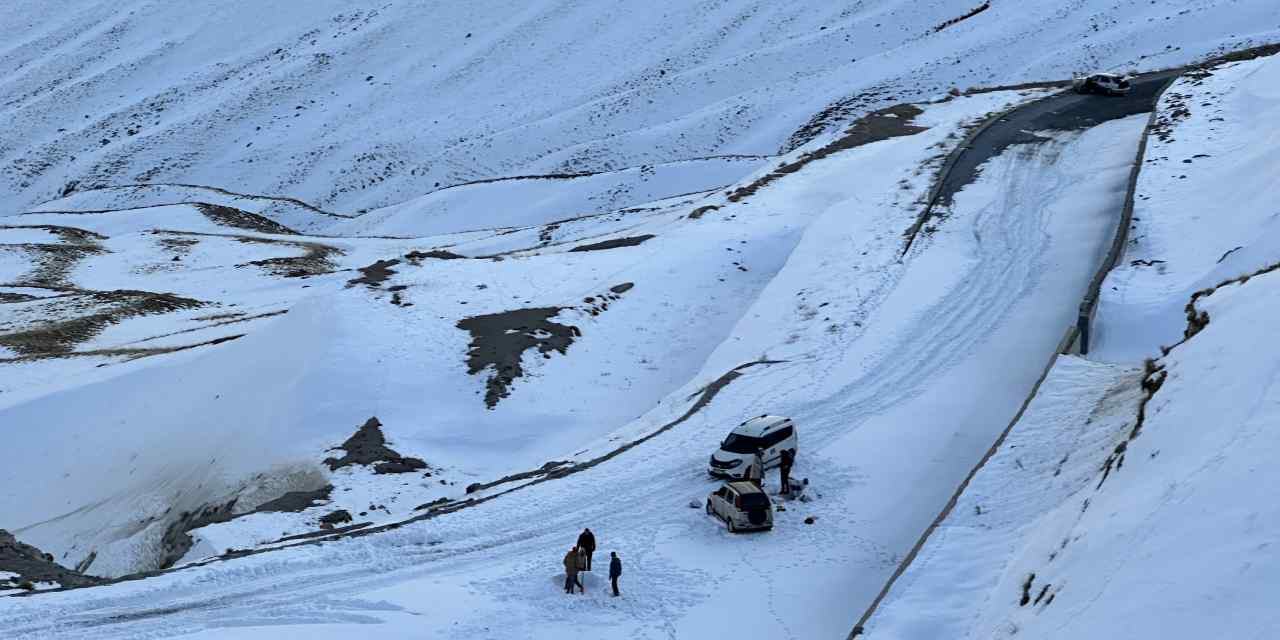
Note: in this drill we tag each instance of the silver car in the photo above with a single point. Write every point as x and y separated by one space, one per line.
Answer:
743 506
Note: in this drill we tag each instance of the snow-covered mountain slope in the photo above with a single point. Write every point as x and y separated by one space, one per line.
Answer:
362 314
1130 500
609 333
357 107
899 371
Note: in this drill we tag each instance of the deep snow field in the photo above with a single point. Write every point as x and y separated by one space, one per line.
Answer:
361 314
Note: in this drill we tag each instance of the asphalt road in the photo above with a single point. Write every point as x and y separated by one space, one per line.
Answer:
1060 112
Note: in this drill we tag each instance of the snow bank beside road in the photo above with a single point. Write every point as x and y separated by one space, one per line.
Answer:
1170 534
1155 522
1205 207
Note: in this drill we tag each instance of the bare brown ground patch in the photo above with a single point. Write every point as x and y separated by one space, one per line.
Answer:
84 316
883 124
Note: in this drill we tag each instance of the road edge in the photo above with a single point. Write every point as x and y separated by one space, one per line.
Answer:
1089 305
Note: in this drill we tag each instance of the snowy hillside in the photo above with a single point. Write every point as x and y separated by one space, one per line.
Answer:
326 316
353 107
1130 500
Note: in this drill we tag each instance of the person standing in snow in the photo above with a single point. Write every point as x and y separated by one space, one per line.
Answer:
587 542
755 469
571 570
615 571
784 469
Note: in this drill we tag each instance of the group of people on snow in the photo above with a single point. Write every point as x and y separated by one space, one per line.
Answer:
579 559
755 469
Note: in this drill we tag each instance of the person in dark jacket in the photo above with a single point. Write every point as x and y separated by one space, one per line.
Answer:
615 571
788 459
587 542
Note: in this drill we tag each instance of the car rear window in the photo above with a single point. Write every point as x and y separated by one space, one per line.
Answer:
752 501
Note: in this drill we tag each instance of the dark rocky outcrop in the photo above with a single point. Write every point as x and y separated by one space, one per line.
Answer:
33 566
295 501
369 447
616 243
329 521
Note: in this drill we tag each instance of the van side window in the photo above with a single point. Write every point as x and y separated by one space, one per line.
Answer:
778 436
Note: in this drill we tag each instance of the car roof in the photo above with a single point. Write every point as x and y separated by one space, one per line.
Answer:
760 424
744 487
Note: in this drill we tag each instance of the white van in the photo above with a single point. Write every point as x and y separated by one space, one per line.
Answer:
771 433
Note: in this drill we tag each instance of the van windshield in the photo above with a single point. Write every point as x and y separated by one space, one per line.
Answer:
737 443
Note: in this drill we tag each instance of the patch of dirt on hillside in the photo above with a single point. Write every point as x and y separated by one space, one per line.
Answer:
84 316
317 258
51 263
499 340
8 298
616 243
179 247
415 257
375 274
295 501
70 235
240 219
883 124
369 447
33 565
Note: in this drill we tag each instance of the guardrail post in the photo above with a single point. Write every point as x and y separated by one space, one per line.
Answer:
1082 328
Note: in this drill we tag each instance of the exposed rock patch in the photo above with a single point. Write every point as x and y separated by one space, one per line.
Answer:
232 217
316 259
33 566
416 257
177 541
616 243
703 210
295 501
330 520
890 122
7 297
375 274
369 447
499 340
94 312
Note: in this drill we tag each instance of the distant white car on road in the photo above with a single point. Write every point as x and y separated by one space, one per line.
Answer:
773 434
743 506
1107 84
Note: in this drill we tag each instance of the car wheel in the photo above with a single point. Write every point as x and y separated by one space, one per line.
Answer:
732 527
710 511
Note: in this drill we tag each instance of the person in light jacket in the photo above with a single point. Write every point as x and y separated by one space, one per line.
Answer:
755 468
571 570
